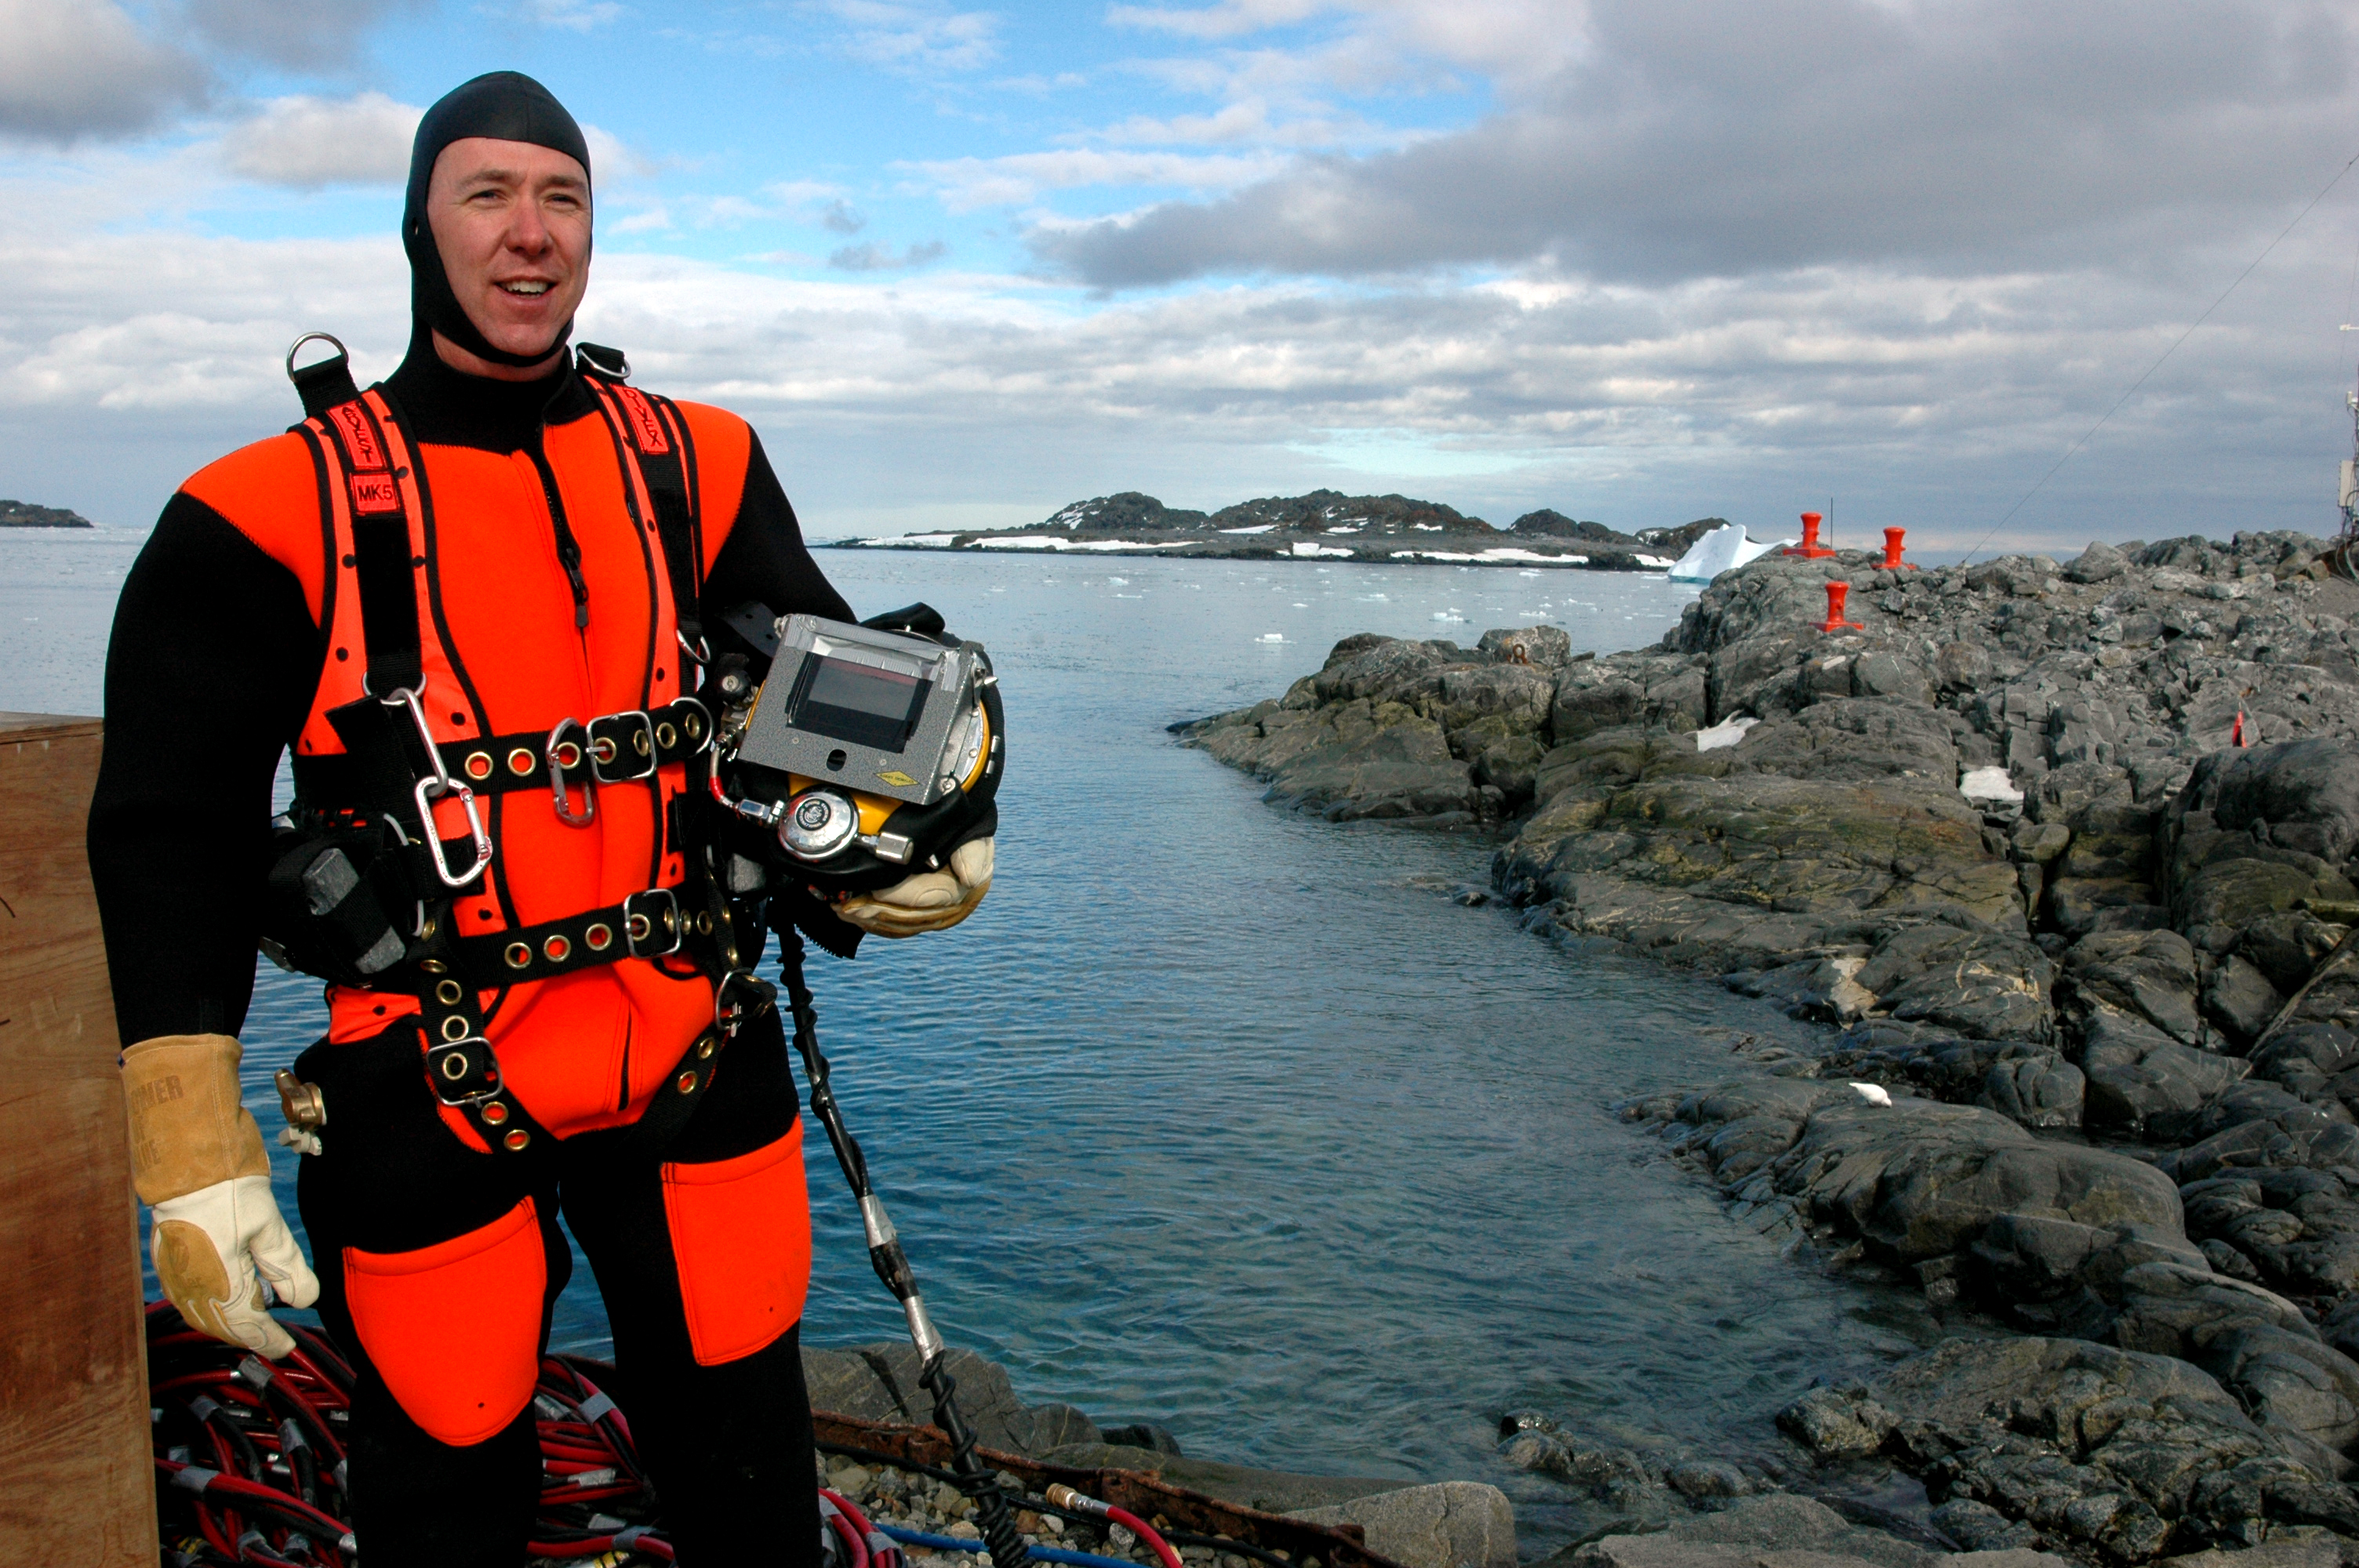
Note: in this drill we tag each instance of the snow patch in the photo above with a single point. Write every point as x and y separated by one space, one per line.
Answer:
1727 732
1987 784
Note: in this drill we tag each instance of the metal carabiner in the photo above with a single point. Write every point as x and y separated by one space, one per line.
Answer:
408 696
430 790
560 800
427 795
701 650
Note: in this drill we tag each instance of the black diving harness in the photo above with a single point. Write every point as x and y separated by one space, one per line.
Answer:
392 757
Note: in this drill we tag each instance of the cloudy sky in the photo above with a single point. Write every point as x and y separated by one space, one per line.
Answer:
1637 259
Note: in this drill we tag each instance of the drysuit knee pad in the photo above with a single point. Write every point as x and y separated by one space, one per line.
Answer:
454 1328
741 1236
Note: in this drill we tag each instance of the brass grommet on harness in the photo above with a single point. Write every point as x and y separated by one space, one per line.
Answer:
455 1029
519 956
556 948
454 1066
494 1112
686 1083
479 764
520 762
448 992
518 1139
599 936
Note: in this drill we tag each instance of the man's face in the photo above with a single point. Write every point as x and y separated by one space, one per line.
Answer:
512 221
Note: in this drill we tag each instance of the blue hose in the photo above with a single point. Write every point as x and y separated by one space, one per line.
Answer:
1037 1553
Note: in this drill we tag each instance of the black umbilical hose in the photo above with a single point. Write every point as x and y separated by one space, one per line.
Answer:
974 1477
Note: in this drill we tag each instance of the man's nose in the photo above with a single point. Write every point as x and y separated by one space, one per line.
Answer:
526 233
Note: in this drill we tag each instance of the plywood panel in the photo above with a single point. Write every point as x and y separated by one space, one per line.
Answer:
75 1475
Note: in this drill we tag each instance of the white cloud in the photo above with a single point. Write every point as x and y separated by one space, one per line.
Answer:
82 67
306 143
578 16
1684 141
872 257
299 33
1227 20
914 37
967 183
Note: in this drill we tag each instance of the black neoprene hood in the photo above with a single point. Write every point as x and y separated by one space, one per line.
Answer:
507 106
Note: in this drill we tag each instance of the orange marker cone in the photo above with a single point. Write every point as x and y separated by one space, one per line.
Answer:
1836 593
1810 548
1892 561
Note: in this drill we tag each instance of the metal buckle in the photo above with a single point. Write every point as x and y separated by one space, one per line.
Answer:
430 790
640 927
444 1051
614 745
558 796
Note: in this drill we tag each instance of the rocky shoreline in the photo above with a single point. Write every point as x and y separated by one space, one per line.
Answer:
2092 1057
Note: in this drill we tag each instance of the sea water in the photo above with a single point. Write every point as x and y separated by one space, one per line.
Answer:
1221 1115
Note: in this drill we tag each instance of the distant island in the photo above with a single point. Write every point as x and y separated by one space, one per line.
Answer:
1325 525
24 514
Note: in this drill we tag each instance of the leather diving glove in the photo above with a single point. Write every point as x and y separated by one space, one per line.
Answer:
931 901
197 1160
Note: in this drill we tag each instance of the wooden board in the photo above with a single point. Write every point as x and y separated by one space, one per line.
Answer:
77 1483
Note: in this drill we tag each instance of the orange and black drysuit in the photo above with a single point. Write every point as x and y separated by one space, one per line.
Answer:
554 548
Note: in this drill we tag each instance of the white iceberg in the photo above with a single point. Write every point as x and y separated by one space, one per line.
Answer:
1723 549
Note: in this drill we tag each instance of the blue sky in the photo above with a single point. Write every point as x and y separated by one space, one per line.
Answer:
1637 259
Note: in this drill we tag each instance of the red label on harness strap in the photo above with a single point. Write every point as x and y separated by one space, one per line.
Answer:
647 430
373 492
360 436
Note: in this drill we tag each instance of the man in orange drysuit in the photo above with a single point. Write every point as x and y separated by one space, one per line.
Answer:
473 603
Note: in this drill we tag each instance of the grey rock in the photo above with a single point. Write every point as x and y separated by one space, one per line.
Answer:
1272 1491
2299 795
1837 1423
879 1382
2099 563
2240 1000
2040 1091
2150 973
1452 1524
1542 647
2173 1309
2145 1085
1775 1531
1980 1527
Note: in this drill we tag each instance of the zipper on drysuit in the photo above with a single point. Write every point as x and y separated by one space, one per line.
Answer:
568 549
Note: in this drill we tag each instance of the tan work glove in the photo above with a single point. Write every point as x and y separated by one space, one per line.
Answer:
197 1160
933 901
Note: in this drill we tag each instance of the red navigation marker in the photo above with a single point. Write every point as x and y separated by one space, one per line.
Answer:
1892 561
1836 593
1810 548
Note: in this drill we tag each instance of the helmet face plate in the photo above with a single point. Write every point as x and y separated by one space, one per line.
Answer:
872 753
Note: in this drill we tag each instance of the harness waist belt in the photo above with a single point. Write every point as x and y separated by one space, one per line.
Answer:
615 748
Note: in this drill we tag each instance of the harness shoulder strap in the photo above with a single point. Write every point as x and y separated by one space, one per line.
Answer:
656 440
370 480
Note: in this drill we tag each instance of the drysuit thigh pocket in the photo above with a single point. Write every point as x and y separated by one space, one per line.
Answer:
454 1328
741 1234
